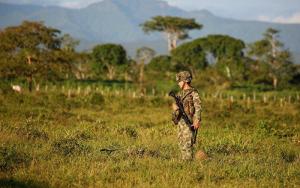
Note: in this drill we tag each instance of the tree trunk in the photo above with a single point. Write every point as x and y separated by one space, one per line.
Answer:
275 82
169 42
29 60
111 72
174 44
228 71
192 70
141 76
174 41
30 83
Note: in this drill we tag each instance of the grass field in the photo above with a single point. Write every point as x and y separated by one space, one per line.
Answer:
58 139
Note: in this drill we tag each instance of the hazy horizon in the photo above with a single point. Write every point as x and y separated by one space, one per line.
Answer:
279 11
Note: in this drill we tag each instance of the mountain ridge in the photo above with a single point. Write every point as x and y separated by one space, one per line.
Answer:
117 21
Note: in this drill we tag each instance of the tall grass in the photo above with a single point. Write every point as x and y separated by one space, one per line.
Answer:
103 138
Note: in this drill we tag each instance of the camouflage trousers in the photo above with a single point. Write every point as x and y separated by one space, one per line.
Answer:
185 136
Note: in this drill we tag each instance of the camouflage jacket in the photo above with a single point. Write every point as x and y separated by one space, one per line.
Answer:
192 105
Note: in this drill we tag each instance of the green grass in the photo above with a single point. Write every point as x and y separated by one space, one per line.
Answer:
51 140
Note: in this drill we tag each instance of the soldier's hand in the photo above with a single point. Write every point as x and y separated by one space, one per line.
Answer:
175 107
196 125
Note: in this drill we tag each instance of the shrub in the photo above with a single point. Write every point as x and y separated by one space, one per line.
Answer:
288 156
11 159
5 88
32 133
97 99
129 131
69 147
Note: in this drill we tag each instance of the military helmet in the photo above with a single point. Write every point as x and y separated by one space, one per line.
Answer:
184 76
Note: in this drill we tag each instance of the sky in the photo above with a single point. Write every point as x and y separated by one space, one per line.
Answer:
281 11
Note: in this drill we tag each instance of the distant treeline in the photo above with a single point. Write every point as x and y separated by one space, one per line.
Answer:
35 53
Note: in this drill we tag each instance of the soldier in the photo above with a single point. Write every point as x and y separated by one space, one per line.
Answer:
192 107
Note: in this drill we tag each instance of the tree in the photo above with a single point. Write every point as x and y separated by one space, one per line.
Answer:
160 63
110 56
68 43
79 62
227 53
189 56
143 56
31 50
176 28
270 51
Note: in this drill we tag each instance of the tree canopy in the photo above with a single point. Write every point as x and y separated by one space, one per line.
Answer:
31 50
176 28
110 56
270 52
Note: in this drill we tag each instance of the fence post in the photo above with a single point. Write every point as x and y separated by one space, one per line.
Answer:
265 99
248 102
78 90
69 93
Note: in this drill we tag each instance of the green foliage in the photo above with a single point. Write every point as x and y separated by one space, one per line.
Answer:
109 56
191 56
176 28
160 63
33 51
97 99
223 46
145 54
171 24
5 88
273 59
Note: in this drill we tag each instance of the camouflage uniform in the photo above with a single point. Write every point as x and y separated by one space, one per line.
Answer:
192 107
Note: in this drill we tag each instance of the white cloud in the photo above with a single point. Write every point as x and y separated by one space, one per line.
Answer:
71 4
295 18
76 3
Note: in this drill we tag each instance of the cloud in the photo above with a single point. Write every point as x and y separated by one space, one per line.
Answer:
76 3
293 19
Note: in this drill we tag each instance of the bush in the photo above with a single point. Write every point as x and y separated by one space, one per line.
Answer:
288 156
69 147
129 131
97 99
5 88
11 159
32 133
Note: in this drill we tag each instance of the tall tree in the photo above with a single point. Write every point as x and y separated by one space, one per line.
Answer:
228 54
176 28
270 51
30 49
143 56
110 56
191 56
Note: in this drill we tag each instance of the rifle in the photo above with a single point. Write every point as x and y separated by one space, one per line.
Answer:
184 115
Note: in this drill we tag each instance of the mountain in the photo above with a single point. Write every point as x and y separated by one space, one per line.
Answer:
118 21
